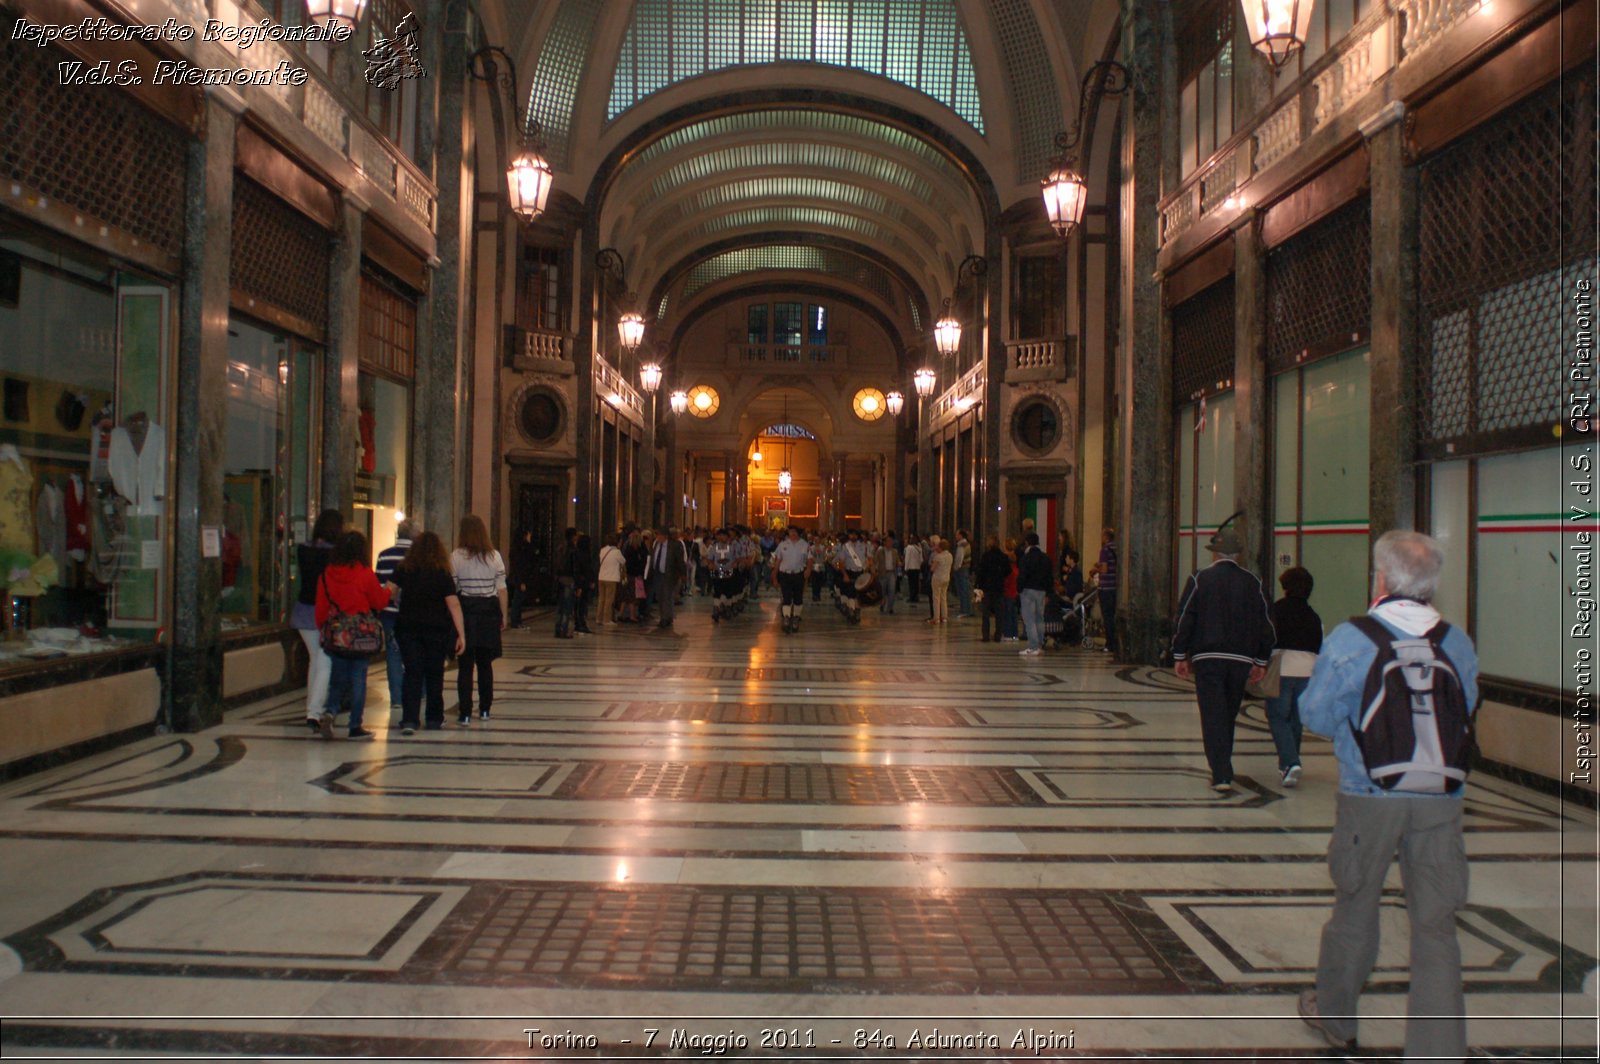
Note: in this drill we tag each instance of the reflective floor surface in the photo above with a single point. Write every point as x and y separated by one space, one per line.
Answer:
888 840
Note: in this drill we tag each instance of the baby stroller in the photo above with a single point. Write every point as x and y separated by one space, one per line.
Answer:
1072 622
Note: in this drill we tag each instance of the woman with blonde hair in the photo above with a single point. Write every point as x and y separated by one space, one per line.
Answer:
480 575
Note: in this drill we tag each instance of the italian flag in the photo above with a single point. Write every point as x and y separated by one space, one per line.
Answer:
1042 509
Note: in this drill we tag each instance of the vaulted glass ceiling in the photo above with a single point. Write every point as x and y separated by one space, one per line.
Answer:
784 155
918 43
838 264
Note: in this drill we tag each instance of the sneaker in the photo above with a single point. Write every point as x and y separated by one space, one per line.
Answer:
360 733
408 730
1313 1019
483 714
325 725
463 722
1224 787
1291 776
315 724
1029 652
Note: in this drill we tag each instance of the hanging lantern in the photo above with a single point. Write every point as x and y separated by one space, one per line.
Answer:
331 13
1064 194
755 455
530 179
650 377
785 482
679 401
924 380
1278 28
896 403
630 328
947 333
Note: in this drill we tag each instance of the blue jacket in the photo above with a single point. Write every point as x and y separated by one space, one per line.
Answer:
1331 702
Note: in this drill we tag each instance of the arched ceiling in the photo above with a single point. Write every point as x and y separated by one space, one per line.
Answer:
899 126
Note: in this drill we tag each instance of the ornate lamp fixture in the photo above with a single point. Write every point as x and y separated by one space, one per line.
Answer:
947 332
1278 28
1065 192
630 328
331 13
896 403
924 380
528 176
679 401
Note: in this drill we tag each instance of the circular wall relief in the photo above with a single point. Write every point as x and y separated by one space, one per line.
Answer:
540 415
1036 426
870 404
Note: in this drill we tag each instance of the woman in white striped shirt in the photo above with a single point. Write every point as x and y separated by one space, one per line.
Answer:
481 586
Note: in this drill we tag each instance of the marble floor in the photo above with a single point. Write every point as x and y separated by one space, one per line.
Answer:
888 840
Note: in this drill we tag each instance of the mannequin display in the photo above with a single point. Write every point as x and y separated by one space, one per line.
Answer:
369 440
107 523
75 507
16 502
100 443
50 523
138 463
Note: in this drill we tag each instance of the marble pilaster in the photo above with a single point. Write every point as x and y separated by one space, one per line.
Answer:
341 399
1392 476
1146 506
1251 390
194 684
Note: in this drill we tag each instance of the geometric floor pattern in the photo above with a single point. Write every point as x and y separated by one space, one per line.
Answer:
877 842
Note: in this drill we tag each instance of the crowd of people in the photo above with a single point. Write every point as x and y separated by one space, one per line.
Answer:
1020 590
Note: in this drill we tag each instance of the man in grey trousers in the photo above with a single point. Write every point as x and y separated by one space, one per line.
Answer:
1423 824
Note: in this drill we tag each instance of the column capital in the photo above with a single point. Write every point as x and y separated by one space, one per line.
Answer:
1245 220
228 97
1390 113
356 200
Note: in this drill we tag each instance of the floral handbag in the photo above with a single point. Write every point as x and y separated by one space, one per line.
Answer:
350 635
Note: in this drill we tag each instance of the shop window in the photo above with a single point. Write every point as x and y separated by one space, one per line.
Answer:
384 458
788 324
1036 427
756 323
1501 531
84 455
542 299
1037 298
1320 445
1205 478
817 325
269 470
1205 70
388 327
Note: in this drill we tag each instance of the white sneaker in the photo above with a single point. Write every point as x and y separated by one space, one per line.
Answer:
1291 776
1222 788
1028 652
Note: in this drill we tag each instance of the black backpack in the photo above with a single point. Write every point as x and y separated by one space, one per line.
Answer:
1416 728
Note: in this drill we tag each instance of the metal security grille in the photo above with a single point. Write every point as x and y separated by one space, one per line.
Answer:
280 256
1319 288
1507 229
90 147
1202 343
388 328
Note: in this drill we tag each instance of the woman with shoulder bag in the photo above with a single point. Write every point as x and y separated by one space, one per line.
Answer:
480 575
348 594
1299 632
429 629
311 558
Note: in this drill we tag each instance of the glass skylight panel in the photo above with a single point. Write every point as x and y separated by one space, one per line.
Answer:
555 79
919 43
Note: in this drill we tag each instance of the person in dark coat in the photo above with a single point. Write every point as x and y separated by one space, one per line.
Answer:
993 569
524 560
1224 640
583 575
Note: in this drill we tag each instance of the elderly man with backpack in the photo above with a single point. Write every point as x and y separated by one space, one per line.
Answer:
1396 690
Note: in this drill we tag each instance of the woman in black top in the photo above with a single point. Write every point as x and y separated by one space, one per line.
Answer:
1298 639
634 557
428 628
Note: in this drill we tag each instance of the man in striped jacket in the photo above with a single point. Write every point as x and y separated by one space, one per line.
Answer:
1224 640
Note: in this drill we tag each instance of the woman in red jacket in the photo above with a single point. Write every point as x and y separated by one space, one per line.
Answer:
349 585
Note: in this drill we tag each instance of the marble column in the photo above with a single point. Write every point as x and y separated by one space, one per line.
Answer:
194 683
435 411
1392 493
841 508
341 399
730 489
647 465
1146 505
1251 389
927 484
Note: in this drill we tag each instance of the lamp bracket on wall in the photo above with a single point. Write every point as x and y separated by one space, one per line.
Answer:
1106 78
